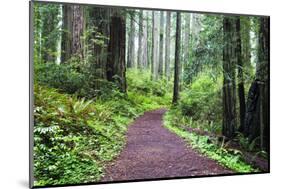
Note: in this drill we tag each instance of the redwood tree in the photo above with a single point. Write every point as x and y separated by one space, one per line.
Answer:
115 68
229 87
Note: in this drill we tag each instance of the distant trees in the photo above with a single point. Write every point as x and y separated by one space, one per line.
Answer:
230 49
47 31
131 44
186 47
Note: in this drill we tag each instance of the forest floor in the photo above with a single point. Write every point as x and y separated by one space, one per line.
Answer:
152 152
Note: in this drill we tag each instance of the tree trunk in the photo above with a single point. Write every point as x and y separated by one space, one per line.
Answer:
155 62
131 48
240 66
177 59
257 110
140 58
73 25
186 40
98 23
77 31
144 44
229 100
116 68
149 41
167 45
161 44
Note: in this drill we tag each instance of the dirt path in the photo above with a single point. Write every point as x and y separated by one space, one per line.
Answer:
154 152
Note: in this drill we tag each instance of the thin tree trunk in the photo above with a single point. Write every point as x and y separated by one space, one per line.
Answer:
140 58
155 44
167 45
161 44
177 59
186 40
149 36
131 48
144 44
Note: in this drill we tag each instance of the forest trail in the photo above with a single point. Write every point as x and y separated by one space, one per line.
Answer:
152 151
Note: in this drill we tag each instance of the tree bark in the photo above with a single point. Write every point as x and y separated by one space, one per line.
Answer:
73 25
229 92
177 59
240 66
77 31
116 69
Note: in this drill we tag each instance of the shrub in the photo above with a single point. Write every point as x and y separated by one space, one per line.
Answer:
63 77
202 100
140 81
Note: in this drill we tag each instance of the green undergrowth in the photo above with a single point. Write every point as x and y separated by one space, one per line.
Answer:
215 150
75 137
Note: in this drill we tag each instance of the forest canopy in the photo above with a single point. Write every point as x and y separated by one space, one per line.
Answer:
97 68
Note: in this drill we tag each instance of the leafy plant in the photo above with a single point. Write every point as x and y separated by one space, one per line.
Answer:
74 137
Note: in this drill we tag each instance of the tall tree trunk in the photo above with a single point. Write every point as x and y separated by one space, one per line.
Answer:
229 92
149 41
131 48
77 31
155 62
186 40
161 44
167 44
116 68
177 59
240 65
144 44
140 58
257 110
98 23
73 25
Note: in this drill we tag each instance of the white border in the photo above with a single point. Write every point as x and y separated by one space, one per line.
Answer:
14 97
